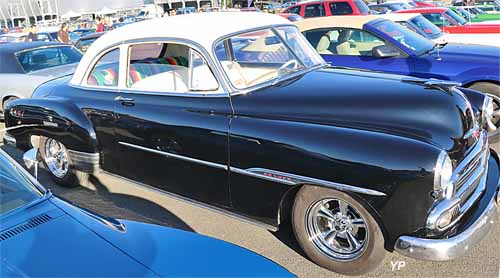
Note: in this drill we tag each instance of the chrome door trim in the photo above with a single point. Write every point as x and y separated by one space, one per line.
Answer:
199 204
266 174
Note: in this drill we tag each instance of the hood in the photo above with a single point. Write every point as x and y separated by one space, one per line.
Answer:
364 100
59 246
476 54
55 72
175 253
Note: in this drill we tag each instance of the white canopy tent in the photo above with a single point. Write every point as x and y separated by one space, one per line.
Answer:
105 10
71 14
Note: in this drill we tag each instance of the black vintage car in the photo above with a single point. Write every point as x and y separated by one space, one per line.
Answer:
249 121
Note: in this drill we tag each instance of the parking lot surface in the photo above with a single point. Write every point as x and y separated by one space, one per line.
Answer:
115 197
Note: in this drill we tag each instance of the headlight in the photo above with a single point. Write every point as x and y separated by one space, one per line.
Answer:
443 186
487 113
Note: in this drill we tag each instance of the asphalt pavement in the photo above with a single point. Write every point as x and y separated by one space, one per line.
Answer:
118 198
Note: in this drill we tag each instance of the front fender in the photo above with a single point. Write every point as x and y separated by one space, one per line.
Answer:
58 118
401 168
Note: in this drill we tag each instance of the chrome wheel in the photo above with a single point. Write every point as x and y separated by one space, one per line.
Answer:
56 158
337 229
493 125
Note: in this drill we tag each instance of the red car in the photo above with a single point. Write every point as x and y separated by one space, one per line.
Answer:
423 4
329 8
452 23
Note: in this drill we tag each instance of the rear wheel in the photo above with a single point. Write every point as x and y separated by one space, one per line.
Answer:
336 231
493 90
58 162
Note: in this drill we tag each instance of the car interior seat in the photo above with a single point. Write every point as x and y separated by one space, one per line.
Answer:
346 47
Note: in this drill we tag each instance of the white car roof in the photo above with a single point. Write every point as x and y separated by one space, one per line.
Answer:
15 35
202 28
398 17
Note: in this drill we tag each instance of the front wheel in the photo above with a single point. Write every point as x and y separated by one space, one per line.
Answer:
58 162
336 231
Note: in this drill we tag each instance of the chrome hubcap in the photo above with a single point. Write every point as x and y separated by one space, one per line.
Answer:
493 125
56 158
337 229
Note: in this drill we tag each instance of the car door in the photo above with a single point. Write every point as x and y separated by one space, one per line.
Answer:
172 123
353 48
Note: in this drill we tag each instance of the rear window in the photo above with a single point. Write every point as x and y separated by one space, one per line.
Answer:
362 7
48 57
340 8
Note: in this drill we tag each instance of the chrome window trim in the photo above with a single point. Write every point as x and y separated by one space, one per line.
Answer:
191 45
235 91
88 71
292 179
222 91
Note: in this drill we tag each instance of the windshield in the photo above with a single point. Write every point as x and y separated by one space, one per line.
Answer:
16 189
460 20
83 45
426 27
48 57
404 36
253 58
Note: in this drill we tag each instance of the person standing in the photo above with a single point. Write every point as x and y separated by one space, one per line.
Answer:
63 35
99 25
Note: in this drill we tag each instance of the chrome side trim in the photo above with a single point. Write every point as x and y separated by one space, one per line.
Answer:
176 156
296 179
266 174
198 204
453 247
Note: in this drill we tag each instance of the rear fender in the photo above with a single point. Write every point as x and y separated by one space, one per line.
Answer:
57 118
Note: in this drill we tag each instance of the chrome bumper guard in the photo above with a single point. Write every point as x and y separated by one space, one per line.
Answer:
9 139
459 244
85 162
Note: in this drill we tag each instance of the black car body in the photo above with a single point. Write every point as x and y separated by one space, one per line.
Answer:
380 140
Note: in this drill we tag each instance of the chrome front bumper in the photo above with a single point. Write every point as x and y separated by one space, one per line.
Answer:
457 245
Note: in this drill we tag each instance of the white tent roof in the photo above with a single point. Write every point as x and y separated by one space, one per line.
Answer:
106 10
70 14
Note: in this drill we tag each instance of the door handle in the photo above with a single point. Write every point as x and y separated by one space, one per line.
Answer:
124 99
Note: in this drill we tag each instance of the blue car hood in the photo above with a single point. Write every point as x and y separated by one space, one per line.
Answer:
478 55
171 252
59 246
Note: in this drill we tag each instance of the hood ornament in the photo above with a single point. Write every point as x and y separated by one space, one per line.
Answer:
443 85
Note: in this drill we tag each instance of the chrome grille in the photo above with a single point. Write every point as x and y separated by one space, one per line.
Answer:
469 176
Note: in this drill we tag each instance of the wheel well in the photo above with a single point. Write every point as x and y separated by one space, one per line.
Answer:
285 210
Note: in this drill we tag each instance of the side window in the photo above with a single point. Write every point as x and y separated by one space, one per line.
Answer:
294 10
340 8
167 67
347 42
314 10
105 71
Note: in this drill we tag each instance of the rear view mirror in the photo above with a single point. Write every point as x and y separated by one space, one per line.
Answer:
385 51
31 161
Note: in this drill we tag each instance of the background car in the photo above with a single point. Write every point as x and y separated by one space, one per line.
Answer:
389 7
26 65
86 41
373 43
13 37
60 239
291 17
477 15
240 119
453 23
425 28
328 8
